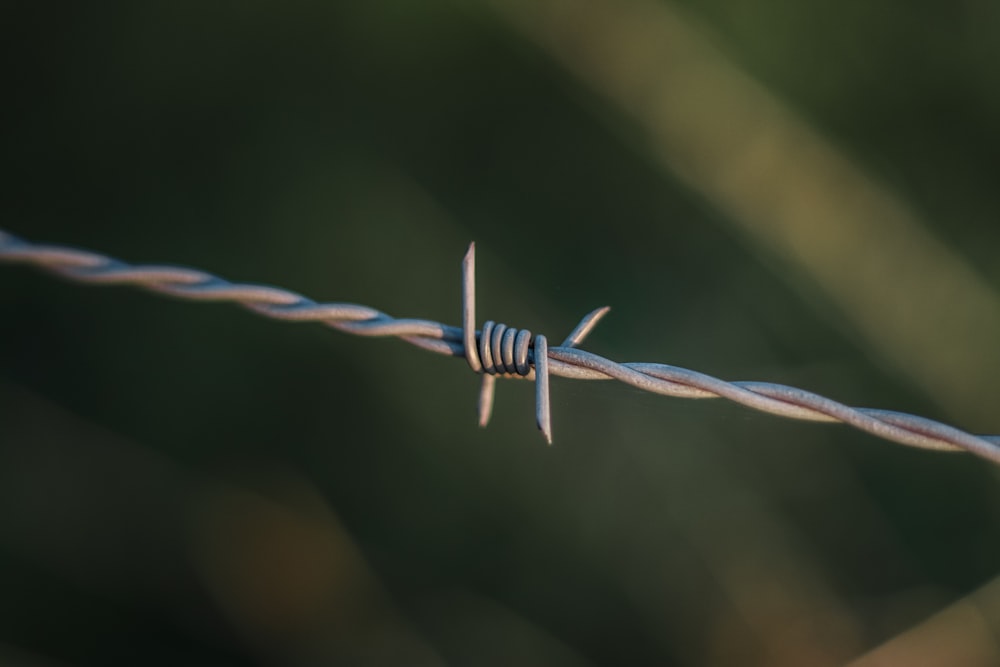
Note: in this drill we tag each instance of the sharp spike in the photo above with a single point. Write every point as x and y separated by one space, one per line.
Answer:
542 409
469 309
486 391
585 326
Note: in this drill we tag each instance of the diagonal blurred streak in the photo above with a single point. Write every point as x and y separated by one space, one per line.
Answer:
964 633
913 300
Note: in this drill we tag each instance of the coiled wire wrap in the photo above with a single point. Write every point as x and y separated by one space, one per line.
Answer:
564 360
508 352
504 350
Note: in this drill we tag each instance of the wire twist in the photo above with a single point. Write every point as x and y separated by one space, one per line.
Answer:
497 350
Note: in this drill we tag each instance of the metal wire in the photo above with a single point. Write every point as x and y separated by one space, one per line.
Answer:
497 350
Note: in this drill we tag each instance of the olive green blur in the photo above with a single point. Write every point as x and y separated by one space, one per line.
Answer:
802 193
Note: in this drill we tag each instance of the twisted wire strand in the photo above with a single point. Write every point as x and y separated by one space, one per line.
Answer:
563 360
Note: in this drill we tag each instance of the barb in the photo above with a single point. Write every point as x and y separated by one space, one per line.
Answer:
507 352
497 350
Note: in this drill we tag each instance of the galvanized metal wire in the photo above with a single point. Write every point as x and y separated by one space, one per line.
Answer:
496 350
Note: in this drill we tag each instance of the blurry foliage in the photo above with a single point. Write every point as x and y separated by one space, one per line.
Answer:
184 483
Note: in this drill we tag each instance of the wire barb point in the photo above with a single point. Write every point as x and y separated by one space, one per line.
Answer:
542 387
469 309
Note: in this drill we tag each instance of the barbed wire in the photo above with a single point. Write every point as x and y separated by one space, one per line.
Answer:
496 350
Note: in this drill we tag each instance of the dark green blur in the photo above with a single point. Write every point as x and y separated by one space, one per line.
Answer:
191 484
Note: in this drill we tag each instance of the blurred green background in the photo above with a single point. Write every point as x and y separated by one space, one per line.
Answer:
793 192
